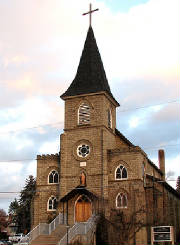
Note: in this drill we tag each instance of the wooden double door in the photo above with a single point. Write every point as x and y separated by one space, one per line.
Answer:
83 209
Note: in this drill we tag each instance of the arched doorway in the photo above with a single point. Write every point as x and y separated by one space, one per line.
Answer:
83 209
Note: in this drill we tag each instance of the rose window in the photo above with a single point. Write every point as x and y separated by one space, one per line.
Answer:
83 150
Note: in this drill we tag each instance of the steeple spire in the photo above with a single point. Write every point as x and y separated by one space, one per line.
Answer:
90 76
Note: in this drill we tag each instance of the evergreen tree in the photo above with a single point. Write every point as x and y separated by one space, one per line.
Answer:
13 213
178 184
21 209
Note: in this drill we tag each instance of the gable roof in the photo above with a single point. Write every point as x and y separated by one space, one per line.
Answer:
165 184
121 136
78 190
90 76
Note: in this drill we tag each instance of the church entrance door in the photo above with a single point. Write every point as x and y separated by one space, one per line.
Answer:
83 209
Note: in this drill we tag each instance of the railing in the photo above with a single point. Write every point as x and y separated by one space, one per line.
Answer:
43 229
60 219
79 229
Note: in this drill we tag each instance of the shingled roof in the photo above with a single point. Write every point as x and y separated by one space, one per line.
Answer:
90 76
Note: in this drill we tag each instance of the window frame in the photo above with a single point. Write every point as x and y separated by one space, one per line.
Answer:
109 118
80 122
50 198
56 172
122 194
121 172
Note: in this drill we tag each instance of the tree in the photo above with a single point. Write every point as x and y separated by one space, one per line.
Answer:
14 214
120 228
178 184
21 210
13 207
3 222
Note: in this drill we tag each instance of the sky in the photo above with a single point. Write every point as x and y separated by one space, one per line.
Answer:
40 46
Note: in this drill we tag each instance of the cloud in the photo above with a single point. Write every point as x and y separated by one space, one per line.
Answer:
40 47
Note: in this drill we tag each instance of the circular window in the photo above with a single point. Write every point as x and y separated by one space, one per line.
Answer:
83 150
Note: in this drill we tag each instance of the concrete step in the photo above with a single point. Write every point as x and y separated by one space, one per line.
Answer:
60 231
51 239
45 240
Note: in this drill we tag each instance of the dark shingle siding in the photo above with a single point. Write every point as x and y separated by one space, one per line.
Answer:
90 76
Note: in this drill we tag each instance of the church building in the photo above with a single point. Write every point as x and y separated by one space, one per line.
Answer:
98 170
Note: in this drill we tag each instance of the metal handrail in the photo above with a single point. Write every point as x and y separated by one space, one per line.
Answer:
79 229
43 229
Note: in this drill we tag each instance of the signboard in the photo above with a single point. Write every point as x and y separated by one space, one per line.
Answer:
162 234
158 237
162 229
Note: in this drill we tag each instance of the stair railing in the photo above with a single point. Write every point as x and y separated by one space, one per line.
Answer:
43 229
79 229
57 221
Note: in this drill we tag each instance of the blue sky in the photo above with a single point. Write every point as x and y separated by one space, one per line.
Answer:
123 5
40 46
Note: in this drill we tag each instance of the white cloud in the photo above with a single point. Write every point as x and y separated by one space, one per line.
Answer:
134 122
49 147
40 47
147 41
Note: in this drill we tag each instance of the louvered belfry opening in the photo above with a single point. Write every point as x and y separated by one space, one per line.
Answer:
84 114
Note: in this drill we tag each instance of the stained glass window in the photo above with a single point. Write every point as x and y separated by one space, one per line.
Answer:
83 150
121 200
53 177
121 172
52 203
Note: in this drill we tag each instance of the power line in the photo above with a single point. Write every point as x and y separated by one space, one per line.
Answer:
37 191
19 160
35 127
157 147
35 159
143 107
55 123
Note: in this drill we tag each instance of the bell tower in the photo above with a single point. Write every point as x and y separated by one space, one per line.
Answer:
89 126
90 81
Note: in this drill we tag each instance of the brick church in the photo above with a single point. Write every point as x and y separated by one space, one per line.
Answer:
98 170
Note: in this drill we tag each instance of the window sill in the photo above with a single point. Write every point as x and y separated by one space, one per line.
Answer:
83 125
121 207
121 179
53 183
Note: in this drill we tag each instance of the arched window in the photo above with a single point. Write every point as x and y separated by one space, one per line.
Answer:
53 177
109 119
121 200
52 203
84 114
121 173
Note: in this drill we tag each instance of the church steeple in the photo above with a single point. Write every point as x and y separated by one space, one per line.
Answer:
90 76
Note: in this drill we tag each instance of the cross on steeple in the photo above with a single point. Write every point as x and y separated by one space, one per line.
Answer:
90 12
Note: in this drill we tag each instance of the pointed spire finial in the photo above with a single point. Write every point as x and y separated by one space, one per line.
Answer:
90 13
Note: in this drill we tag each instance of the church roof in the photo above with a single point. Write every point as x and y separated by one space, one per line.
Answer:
164 183
90 76
118 133
78 190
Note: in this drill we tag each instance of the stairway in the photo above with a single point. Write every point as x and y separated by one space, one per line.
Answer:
45 240
51 239
55 233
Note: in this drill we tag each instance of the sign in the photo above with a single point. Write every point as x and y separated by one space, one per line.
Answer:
158 237
162 229
162 234
82 164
